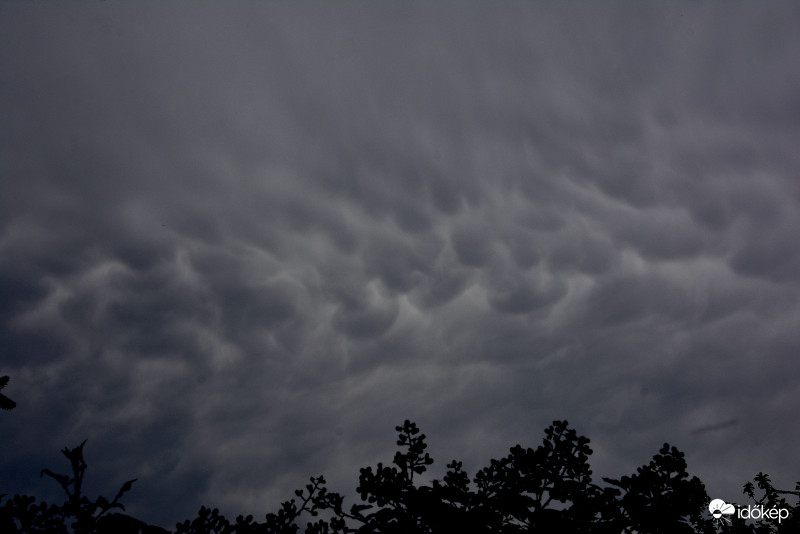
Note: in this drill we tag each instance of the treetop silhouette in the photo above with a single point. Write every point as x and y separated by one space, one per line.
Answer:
5 402
546 489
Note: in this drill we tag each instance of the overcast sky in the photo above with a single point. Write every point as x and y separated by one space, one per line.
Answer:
240 244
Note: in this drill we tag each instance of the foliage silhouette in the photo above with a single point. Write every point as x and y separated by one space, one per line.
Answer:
546 489
78 515
5 402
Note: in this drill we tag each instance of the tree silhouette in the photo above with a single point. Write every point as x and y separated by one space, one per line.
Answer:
78 515
546 489
660 497
5 402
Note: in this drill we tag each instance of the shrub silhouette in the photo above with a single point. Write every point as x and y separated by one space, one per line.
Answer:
78 515
546 489
5 402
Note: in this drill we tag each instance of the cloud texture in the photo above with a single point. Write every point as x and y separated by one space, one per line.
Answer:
240 244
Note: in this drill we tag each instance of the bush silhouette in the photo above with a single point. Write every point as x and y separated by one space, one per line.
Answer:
546 489
78 515
5 402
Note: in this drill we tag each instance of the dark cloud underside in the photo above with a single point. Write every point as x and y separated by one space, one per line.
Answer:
241 243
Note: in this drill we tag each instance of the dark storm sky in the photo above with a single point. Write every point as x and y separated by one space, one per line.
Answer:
239 244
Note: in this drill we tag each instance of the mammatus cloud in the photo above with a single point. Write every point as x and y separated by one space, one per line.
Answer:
238 254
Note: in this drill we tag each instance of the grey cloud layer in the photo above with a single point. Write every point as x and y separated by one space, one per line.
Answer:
240 245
